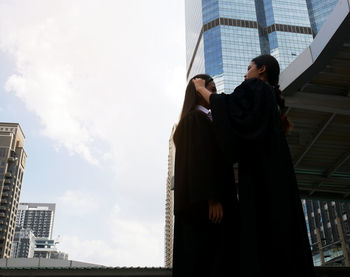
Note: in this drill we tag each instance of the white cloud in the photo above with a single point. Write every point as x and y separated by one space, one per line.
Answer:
131 243
90 76
77 202
106 79
95 250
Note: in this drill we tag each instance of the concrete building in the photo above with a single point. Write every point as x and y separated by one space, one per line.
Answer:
37 216
46 248
169 205
26 245
328 224
12 164
23 244
39 219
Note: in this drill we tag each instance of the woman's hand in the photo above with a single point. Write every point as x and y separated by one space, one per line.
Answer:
216 212
200 87
199 83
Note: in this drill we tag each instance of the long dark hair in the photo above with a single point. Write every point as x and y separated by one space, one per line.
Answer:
273 73
192 98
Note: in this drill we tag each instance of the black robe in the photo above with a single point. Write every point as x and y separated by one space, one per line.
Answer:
273 234
202 248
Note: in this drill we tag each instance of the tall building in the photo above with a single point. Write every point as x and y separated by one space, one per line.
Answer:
34 228
12 164
328 225
23 243
222 36
169 205
318 12
38 217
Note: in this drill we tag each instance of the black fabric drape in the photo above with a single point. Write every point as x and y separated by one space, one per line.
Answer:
200 171
273 234
202 248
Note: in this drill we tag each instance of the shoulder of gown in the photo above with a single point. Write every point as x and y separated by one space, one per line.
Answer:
246 111
194 121
196 159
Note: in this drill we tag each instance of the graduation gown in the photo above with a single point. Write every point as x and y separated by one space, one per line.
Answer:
202 248
273 234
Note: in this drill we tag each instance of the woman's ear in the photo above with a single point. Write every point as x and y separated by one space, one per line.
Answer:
262 69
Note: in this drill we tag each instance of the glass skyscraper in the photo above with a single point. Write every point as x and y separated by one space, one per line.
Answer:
319 11
222 36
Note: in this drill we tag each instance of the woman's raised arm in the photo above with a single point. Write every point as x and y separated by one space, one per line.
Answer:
200 87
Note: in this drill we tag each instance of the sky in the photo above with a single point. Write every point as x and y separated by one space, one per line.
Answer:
96 87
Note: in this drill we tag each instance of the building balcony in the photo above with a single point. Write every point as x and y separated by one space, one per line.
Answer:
3 215
11 159
5 197
8 181
7 188
8 175
4 208
3 230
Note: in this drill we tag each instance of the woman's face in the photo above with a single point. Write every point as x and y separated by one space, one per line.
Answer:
254 71
211 87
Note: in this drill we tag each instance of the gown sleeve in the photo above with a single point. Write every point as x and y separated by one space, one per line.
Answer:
243 115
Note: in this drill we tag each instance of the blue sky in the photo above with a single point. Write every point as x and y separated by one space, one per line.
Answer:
96 87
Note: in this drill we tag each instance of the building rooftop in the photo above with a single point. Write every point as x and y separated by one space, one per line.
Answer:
13 125
53 267
48 267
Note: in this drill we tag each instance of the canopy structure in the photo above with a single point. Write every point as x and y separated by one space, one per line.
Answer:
317 92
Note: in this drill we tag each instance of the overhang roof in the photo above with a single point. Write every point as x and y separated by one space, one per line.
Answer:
317 92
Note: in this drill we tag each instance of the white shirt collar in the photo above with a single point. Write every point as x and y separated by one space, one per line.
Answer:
203 109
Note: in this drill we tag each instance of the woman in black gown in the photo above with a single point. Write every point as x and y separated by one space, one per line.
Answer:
251 125
205 200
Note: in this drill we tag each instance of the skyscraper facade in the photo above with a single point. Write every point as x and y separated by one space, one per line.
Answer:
12 164
38 217
328 226
319 11
169 205
23 243
222 36
34 229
